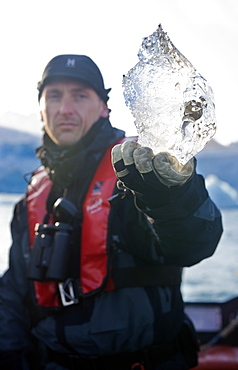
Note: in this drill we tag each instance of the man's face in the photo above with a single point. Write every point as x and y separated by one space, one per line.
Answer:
69 109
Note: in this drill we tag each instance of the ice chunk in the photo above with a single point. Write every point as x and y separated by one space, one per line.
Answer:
172 104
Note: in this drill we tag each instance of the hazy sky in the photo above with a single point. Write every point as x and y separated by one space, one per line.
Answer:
110 32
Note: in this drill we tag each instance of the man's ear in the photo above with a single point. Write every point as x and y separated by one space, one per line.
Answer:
104 111
41 116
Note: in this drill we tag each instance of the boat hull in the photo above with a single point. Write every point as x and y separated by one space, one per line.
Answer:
217 328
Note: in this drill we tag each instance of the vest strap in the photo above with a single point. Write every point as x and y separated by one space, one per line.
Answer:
147 276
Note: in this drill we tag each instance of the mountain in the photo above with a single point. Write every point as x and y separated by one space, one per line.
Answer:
17 159
221 192
221 161
30 124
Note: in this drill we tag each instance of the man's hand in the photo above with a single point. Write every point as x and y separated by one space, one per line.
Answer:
140 170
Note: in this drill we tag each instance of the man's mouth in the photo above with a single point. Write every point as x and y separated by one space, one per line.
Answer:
67 125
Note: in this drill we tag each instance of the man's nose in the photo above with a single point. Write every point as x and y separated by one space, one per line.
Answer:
66 106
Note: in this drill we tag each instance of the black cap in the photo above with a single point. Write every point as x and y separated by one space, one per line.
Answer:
77 67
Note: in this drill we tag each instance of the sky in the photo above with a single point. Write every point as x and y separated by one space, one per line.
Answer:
110 32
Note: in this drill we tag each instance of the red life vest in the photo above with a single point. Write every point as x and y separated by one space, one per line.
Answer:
96 208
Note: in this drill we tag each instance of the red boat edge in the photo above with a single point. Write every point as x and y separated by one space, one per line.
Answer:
217 328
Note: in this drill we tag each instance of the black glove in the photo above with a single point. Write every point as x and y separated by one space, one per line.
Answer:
151 176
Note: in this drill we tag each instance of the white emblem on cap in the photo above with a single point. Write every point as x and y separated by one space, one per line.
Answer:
70 63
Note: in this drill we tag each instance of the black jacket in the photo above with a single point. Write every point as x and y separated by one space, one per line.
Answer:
184 227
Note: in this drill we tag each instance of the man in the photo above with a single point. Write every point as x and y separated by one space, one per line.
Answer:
95 264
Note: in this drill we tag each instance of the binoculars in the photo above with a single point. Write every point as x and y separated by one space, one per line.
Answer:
50 256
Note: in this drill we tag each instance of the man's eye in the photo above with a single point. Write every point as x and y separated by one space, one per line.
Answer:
53 96
80 96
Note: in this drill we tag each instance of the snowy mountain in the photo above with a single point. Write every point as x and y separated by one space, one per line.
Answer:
221 192
217 163
221 161
17 159
30 124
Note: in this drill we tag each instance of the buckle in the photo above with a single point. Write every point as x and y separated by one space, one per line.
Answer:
67 293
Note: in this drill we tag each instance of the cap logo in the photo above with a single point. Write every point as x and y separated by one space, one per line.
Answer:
70 63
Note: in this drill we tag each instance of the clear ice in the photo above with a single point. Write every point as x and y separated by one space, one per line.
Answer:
172 104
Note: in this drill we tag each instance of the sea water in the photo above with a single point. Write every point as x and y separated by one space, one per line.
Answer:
215 279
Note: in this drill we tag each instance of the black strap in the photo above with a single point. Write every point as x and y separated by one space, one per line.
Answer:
147 276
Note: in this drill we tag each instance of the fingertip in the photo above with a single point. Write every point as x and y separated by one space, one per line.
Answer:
127 150
116 153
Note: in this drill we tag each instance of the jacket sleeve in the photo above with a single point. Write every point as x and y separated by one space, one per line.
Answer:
14 319
188 225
